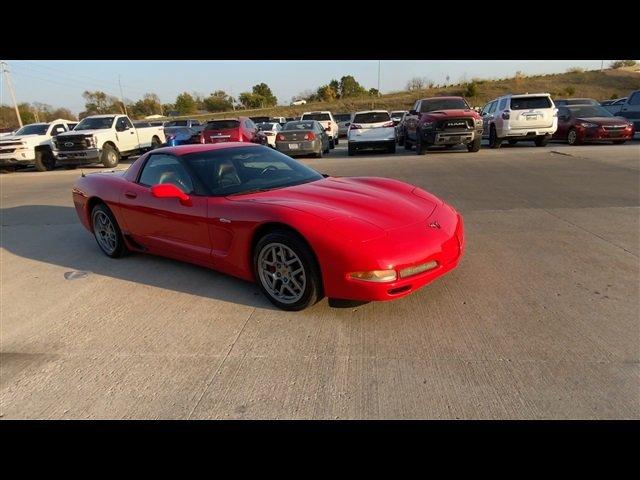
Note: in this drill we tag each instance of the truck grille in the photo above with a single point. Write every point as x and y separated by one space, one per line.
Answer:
614 128
6 150
455 124
75 142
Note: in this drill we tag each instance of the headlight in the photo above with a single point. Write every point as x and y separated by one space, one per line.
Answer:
375 276
427 125
588 125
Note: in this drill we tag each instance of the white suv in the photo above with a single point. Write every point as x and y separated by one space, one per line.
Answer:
371 129
329 124
520 117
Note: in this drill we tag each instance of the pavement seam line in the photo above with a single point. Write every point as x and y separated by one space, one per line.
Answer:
589 231
206 388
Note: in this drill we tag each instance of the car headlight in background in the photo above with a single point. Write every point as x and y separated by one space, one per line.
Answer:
377 276
588 125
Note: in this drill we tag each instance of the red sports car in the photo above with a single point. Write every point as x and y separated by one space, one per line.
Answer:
255 213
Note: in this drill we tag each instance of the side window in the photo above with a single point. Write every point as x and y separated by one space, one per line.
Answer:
127 122
635 99
120 124
416 106
492 107
503 104
166 169
58 128
564 112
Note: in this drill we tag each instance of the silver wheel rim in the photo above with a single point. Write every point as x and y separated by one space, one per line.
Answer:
572 137
281 273
111 156
105 232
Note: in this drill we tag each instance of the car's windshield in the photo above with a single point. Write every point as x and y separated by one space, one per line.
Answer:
435 104
528 103
222 125
298 126
397 114
237 170
179 131
321 117
342 117
33 129
95 123
586 111
371 117
265 126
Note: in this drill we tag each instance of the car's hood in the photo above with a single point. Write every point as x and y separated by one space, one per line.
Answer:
451 113
82 132
23 138
384 203
606 121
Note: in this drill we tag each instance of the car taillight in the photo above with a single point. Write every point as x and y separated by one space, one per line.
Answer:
388 124
201 138
354 126
280 137
505 115
309 136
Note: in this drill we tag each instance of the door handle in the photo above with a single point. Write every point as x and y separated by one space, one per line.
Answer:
130 194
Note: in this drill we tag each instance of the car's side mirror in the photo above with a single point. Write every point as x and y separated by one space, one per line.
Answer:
169 190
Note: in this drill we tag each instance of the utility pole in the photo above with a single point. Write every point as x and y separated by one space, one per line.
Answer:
122 97
601 65
5 71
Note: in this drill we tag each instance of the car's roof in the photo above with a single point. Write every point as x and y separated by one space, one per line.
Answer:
520 95
372 111
317 111
448 97
200 147
105 115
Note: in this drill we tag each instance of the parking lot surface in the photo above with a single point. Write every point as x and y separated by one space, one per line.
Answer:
541 320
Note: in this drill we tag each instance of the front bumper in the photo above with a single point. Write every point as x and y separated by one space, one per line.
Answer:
18 156
77 157
408 250
450 137
600 134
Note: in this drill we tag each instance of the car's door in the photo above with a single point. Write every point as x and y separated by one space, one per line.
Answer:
321 134
487 117
411 123
564 122
165 225
126 135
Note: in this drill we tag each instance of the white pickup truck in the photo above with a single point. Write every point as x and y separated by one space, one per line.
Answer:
31 144
105 139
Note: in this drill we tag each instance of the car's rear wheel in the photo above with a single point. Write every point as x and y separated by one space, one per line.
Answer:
110 157
155 143
494 141
542 140
107 232
286 271
332 143
407 143
45 161
572 137
337 141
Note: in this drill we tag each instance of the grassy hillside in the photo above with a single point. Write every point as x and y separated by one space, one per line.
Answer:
594 84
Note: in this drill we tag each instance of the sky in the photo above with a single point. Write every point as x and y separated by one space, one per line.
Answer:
61 83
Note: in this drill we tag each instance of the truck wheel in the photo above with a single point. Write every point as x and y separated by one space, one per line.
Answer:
421 149
572 137
494 141
155 143
45 161
542 140
110 156
475 145
337 140
351 150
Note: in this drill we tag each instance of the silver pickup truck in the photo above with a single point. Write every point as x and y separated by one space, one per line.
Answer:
104 139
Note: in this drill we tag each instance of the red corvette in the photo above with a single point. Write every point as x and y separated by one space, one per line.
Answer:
255 213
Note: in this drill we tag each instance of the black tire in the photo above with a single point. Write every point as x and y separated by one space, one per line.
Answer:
401 141
392 147
155 143
110 157
618 142
421 149
407 143
572 137
337 141
319 153
120 247
312 291
45 161
332 144
475 145
494 141
351 149
512 141
542 140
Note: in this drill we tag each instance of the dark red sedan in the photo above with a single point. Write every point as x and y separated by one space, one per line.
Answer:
241 129
591 123
255 213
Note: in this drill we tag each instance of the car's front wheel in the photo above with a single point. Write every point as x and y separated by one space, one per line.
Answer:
45 161
572 137
494 140
110 157
475 145
421 148
286 271
107 231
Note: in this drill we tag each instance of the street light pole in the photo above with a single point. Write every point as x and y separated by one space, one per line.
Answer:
378 77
